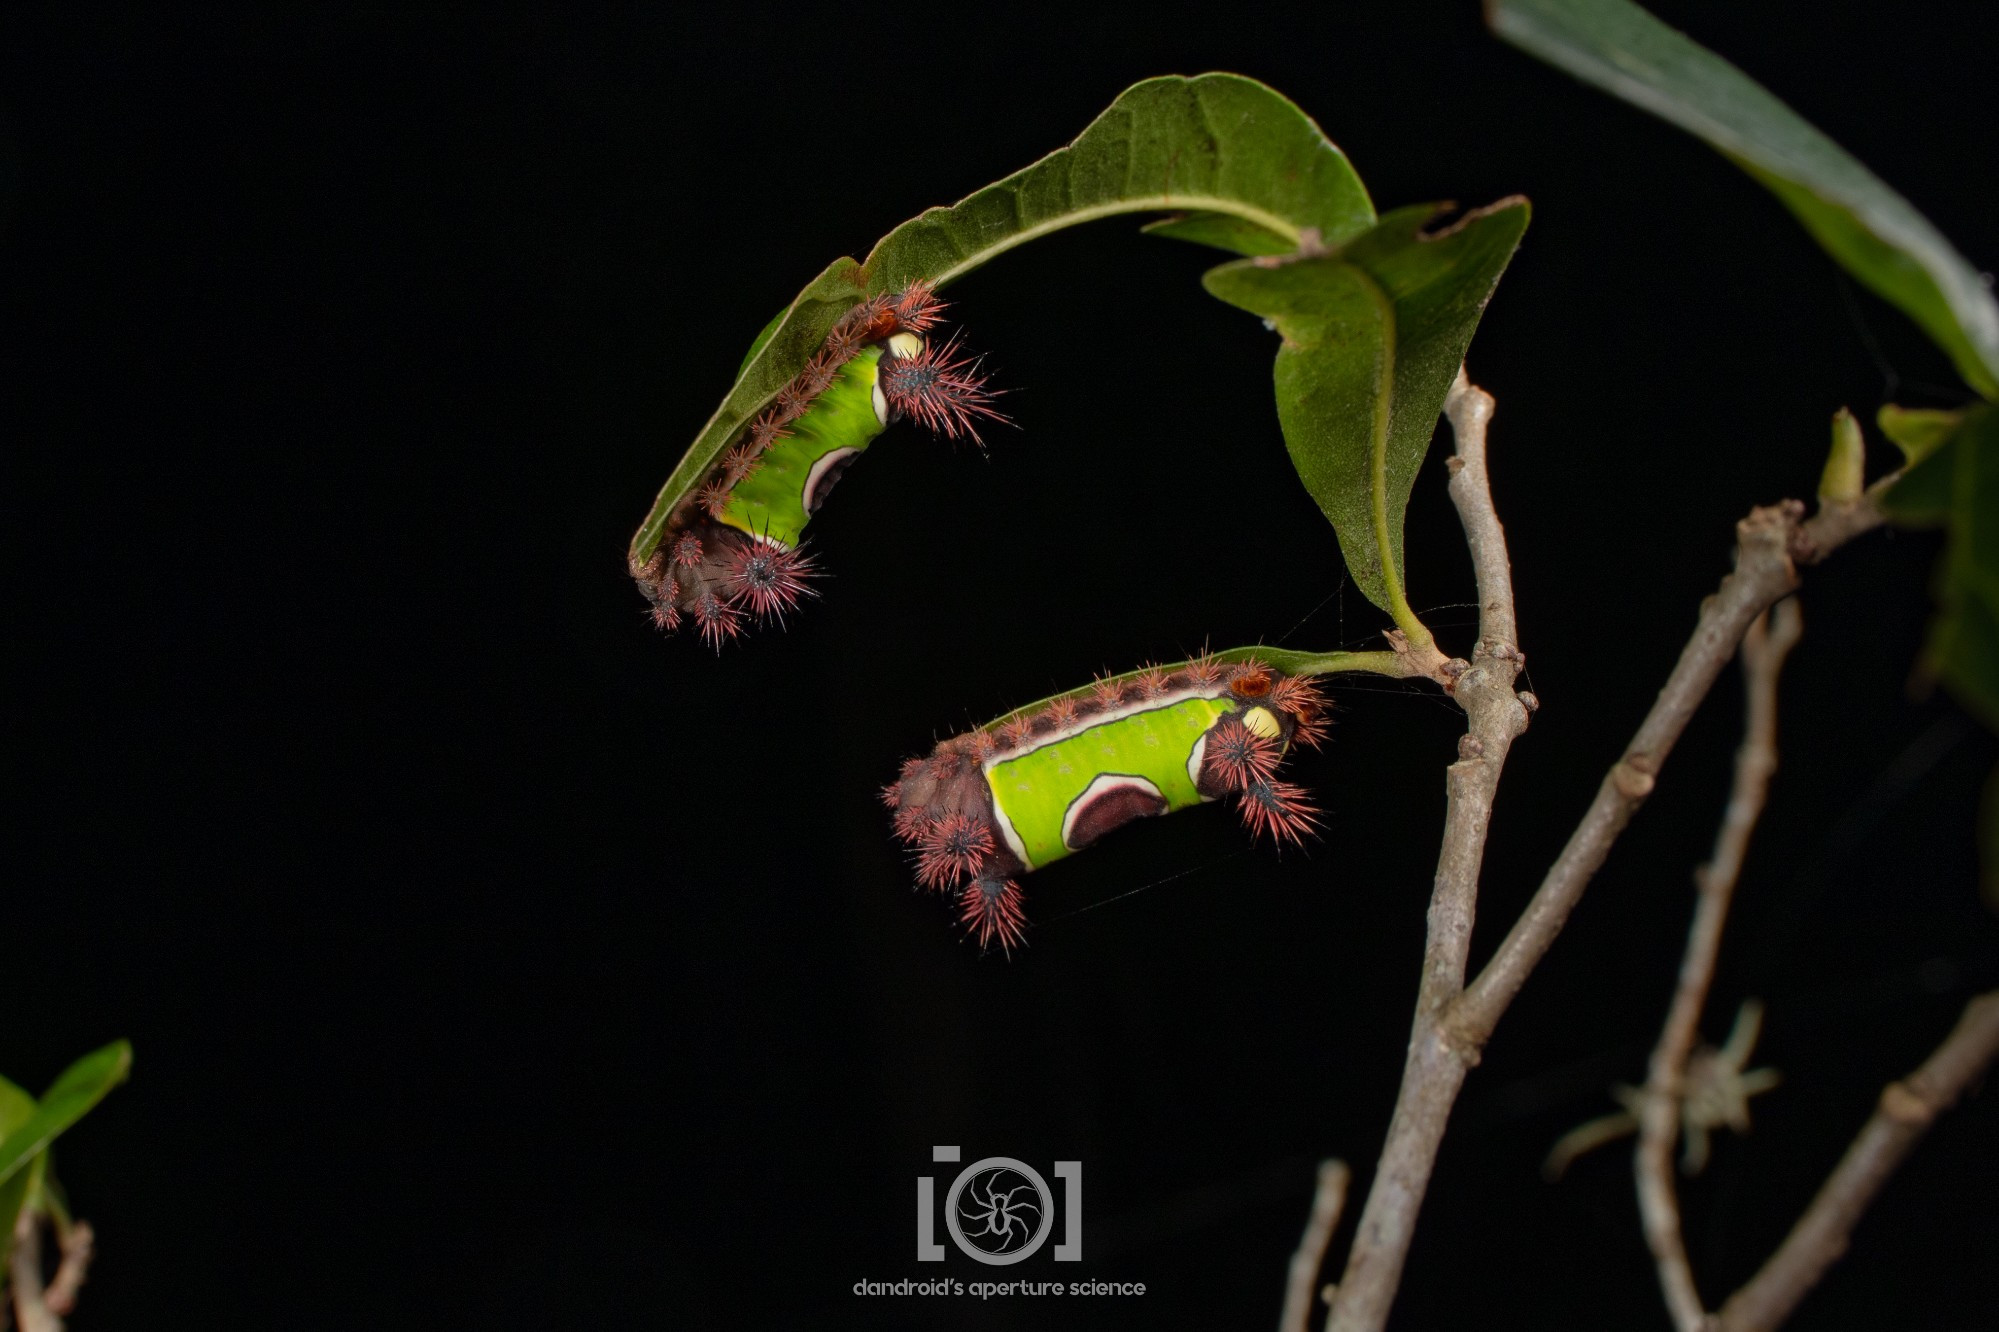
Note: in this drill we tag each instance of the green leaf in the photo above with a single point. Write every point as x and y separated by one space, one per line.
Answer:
1964 644
1222 232
762 337
1920 496
1216 144
1374 333
1917 431
81 1086
15 1107
1871 230
1964 651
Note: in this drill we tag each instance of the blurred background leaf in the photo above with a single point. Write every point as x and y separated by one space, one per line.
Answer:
81 1086
1952 468
1871 230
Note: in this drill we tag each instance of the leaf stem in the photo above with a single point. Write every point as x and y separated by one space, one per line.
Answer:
1396 665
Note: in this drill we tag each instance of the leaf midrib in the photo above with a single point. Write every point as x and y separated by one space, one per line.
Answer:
1204 203
1391 577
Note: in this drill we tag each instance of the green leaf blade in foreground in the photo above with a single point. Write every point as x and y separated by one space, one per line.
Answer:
81 1086
1374 334
1871 230
1215 144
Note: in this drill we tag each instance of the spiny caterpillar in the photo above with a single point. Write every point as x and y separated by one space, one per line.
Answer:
731 547
1038 784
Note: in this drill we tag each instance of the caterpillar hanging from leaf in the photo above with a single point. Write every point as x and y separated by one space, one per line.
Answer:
984 808
731 551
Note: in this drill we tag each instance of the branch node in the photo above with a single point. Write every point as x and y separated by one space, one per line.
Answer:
1529 702
1631 778
1904 1106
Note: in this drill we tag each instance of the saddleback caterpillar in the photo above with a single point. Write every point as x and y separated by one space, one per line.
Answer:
731 547
986 807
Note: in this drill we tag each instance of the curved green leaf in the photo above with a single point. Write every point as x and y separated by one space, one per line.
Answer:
1374 333
1217 144
1871 230
81 1086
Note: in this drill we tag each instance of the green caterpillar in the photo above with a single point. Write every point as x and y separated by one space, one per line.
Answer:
1042 783
731 547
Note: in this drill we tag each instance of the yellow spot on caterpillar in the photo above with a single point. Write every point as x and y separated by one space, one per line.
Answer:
906 345
1260 722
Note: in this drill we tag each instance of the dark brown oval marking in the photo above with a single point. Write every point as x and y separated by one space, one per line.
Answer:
825 473
1111 801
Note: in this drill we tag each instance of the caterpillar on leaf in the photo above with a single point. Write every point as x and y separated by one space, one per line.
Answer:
984 808
731 551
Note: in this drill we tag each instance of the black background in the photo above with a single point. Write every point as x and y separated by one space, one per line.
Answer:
492 961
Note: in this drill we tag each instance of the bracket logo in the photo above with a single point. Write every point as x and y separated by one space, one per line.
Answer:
999 1210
